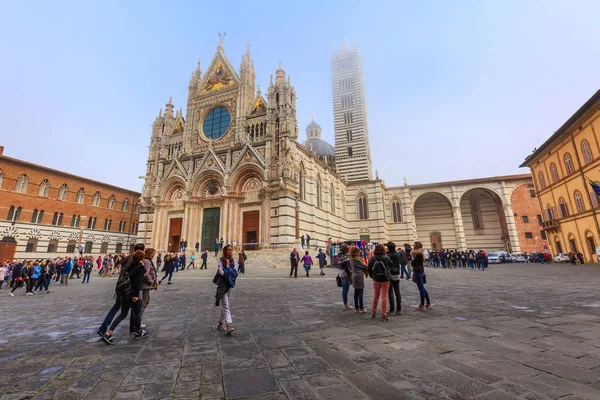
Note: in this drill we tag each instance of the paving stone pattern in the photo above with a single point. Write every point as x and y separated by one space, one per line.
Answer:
511 332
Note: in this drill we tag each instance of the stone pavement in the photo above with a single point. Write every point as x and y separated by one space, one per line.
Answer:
511 332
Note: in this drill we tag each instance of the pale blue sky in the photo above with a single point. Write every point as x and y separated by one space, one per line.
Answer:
455 90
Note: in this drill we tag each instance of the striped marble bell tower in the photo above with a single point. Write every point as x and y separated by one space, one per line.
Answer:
352 151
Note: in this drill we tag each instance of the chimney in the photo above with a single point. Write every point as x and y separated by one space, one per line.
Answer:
1 150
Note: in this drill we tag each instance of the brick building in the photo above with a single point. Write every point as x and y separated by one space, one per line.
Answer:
528 218
49 212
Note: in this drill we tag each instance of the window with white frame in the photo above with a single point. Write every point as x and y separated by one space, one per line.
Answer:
111 201
96 198
396 211
21 184
44 188
80 195
63 191
125 204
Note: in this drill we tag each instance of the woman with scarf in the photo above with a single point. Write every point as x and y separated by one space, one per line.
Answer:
419 275
225 280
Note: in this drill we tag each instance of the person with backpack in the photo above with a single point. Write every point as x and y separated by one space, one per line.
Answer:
307 261
204 258
36 272
322 261
294 260
168 268
129 290
379 270
65 271
345 273
394 290
192 264
225 280
242 262
358 269
419 276
44 279
87 270
117 306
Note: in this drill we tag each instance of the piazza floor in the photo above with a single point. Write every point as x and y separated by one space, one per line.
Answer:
511 332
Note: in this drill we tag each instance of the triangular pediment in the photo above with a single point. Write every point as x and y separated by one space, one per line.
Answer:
210 161
249 154
220 74
259 107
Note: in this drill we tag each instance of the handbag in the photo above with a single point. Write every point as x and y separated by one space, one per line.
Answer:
424 279
339 281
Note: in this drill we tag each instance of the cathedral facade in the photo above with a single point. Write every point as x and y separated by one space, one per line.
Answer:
232 167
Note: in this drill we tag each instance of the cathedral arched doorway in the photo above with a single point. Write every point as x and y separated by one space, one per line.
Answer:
434 222
484 221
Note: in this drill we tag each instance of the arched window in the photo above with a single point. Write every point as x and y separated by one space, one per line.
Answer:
302 182
119 248
396 211
111 201
122 226
63 191
562 206
57 218
579 201
1 178
569 164
107 224
96 198
75 221
319 192
38 216
363 207
550 212
14 213
138 208
125 204
80 195
553 173
44 188
541 180
332 199
588 157
88 247
134 227
21 185
92 223
349 151
476 213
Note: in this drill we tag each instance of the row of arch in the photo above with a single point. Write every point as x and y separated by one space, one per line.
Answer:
319 192
22 184
563 206
37 217
569 167
32 246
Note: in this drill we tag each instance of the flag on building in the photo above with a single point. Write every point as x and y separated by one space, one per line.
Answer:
595 185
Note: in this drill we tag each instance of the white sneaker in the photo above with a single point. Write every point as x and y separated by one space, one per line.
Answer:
12 294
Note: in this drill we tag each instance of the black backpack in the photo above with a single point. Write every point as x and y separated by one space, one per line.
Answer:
123 287
380 271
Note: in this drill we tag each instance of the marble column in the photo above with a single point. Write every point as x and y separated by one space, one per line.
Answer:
459 228
513 234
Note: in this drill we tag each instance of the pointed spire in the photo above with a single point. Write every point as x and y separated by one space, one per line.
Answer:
271 80
160 113
170 103
313 116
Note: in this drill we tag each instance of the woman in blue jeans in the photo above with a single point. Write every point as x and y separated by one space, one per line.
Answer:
345 274
419 275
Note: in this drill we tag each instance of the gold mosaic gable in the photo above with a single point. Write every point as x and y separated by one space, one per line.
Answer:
218 78
259 107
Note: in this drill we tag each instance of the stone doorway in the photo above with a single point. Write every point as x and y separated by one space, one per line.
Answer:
175 225
210 228
250 229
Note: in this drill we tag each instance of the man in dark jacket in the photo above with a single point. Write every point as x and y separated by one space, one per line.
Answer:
204 257
394 290
294 260
404 263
